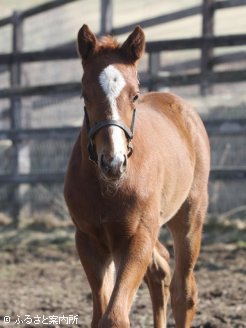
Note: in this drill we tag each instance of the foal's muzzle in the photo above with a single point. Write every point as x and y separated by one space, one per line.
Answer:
113 168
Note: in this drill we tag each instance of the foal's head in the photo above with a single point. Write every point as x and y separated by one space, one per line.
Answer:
110 90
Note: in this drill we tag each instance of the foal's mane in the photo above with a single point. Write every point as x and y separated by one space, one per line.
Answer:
107 44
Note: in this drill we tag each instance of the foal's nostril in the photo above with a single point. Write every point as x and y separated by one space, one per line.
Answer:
104 164
123 165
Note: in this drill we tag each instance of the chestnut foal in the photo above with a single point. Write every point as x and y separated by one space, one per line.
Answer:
140 161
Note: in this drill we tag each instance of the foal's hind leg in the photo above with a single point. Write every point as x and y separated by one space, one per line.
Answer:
186 229
158 280
99 269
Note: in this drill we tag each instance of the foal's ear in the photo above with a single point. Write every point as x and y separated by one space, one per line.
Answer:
87 42
133 47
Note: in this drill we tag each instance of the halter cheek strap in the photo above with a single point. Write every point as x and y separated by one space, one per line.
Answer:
92 131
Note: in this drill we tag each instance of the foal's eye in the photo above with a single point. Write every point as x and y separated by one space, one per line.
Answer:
135 98
85 97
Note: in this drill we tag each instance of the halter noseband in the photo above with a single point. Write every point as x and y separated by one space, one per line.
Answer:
92 131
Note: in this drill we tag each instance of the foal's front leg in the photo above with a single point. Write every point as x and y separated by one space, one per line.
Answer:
99 269
132 259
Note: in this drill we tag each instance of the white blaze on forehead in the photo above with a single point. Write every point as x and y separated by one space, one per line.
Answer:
112 83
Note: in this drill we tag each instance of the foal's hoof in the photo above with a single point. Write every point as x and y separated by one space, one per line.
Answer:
106 322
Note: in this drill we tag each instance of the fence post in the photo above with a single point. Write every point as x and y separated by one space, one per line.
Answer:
154 67
106 17
206 50
15 107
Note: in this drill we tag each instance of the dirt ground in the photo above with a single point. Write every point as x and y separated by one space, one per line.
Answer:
40 276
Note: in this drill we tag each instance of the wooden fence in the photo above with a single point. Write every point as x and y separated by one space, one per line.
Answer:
206 43
151 79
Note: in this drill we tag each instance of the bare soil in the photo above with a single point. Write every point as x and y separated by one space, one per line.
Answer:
43 277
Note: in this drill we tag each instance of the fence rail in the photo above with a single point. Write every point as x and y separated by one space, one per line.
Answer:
159 20
194 78
36 10
146 80
151 47
216 61
40 133
49 89
224 4
221 127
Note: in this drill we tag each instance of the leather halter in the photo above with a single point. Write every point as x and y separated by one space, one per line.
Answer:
92 131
